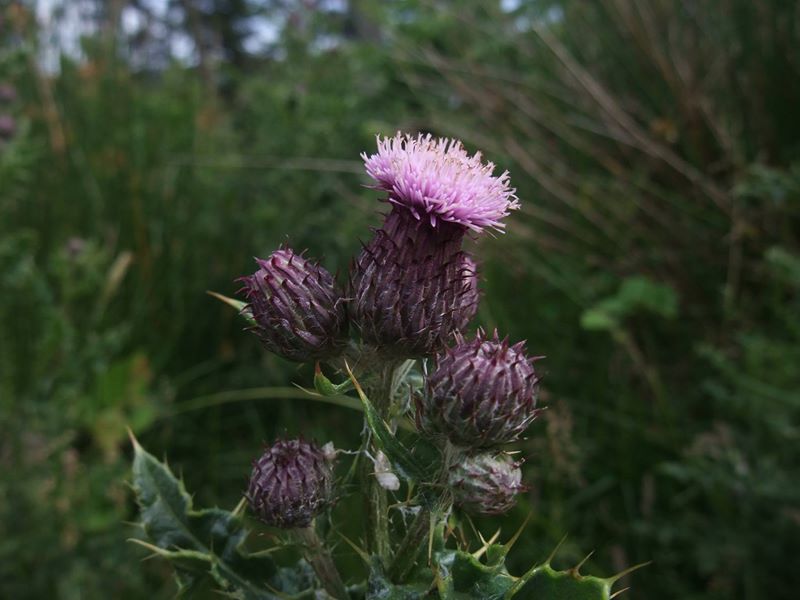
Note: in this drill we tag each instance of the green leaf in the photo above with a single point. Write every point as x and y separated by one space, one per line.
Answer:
242 307
326 387
545 583
597 319
463 575
199 543
636 295
380 587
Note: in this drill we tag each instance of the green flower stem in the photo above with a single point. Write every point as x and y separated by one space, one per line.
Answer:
320 560
417 535
378 541
377 515
416 539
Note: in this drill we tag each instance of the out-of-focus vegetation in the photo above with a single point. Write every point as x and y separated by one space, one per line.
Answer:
655 147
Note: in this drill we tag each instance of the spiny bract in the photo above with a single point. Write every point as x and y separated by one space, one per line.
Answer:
412 286
482 393
487 483
290 484
298 310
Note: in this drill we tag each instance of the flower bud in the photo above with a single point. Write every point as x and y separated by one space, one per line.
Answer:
482 393
412 287
299 313
486 484
291 484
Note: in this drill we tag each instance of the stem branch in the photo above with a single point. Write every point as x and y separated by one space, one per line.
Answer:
320 560
417 534
409 549
377 502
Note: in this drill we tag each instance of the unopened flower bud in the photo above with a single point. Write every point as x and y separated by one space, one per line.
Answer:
299 313
482 393
291 484
412 286
486 484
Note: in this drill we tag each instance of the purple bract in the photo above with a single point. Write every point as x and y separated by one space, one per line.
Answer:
298 310
482 393
412 286
291 484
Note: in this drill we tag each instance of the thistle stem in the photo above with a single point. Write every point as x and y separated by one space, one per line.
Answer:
377 502
417 534
409 549
320 560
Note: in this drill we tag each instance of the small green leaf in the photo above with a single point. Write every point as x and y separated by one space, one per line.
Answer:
242 307
597 319
326 387
636 295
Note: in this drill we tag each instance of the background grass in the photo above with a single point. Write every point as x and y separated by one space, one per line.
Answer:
656 262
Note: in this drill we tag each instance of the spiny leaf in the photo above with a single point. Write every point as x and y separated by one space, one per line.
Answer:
379 587
462 575
545 583
198 542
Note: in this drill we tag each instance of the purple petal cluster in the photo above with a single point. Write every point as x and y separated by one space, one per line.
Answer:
290 484
8 93
483 393
298 311
486 483
438 181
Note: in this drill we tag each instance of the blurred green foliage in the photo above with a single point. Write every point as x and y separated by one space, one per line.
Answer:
656 149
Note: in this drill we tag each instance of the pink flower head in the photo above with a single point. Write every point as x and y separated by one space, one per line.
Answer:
436 179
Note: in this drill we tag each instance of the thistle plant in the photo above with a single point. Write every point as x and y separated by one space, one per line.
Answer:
441 407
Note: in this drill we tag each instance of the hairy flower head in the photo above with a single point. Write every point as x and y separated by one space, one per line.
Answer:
437 180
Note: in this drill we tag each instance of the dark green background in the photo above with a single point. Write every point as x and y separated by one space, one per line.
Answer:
656 262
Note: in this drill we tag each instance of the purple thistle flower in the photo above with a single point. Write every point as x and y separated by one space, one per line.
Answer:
486 484
438 181
291 484
299 313
483 393
412 286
